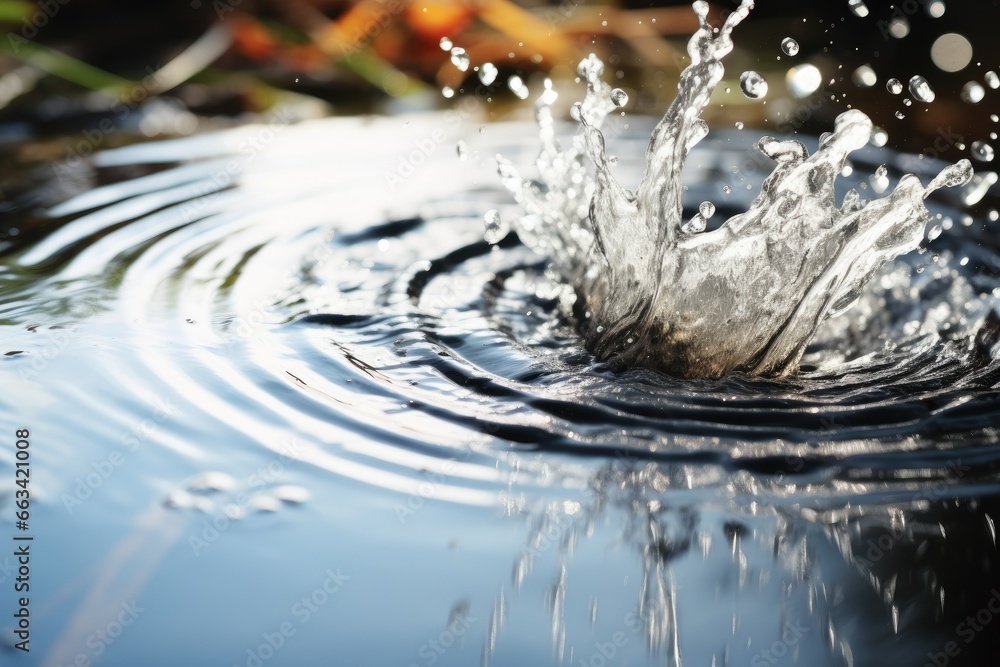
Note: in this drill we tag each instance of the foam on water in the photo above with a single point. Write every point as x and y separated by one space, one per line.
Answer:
658 291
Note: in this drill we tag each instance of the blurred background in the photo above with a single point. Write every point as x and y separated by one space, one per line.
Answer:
166 68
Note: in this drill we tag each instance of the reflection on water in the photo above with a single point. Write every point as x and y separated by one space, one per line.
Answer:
285 408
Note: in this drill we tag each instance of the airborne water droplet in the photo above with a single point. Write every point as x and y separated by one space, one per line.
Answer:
973 92
753 85
921 90
448 92
858 7
707 209
518 87
488 73
496 229
934 232
463 150
982 151
619 97
446 44
739 125
992 80
459 58
894 86
790 46
864 77
590 68
727 190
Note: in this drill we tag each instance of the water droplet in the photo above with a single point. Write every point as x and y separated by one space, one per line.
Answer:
894 86
900 115
921 90
858 7
590 68
707 209
982 151
790 46
448 92
482 129
934 232
992 80
496 229
973 92
935 9
619 97
753 85
727 190
951 52
446 44
460 59
907 102
899 28
291 494
804 80
211 482
463 150
880 179
518 87
695 225
739 125
864 77
488 73
576 111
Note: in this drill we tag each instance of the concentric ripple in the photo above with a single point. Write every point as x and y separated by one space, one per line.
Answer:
284 291
329 300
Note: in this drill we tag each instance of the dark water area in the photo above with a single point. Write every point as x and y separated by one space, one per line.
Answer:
287 407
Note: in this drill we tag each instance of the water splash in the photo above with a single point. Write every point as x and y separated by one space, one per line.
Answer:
746 297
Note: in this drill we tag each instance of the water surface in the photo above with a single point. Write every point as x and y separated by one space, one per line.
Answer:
254 376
